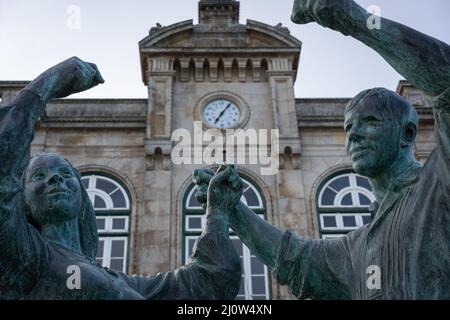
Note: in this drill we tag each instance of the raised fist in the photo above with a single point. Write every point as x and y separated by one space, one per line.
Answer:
339 15
70 76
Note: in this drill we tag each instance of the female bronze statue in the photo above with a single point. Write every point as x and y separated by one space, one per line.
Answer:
47 223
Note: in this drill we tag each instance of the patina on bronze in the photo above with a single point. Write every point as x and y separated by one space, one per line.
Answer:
47 223
408 238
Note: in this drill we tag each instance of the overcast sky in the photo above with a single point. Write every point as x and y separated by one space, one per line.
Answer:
34 36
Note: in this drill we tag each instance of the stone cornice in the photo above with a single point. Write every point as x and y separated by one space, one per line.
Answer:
157 34
279 33
13 85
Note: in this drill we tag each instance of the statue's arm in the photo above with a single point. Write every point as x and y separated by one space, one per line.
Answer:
20 244
262 238
421 59
214 271
278 249
212 274
17 121
311 268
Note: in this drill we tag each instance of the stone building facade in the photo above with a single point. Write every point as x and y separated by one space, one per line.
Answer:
148 218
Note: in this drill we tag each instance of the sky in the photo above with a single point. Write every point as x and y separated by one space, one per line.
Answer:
35 35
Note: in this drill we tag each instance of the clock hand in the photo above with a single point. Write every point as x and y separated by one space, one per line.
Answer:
221 114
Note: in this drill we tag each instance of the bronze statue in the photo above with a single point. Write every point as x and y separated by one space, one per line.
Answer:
407 243
47 222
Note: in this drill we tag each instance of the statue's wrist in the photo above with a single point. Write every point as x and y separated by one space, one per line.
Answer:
216 220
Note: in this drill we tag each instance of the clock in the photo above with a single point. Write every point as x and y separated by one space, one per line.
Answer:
222 114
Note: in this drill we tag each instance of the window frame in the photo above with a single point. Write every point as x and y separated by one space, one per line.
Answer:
109 214
106 259
189 211
340 211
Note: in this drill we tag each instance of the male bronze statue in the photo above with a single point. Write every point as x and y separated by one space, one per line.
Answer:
47 222
408 238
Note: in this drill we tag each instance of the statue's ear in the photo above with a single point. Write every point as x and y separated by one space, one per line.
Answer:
408 135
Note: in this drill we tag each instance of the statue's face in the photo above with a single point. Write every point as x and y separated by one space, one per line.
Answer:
372 139
52 190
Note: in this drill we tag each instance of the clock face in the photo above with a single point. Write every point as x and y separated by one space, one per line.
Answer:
222 114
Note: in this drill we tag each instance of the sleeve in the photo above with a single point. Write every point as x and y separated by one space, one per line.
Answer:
316 269
213 274
21 247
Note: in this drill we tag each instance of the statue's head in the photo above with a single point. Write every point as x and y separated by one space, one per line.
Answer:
380 130
54 194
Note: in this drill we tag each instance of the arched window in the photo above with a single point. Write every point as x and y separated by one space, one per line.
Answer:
112 208
255 278
343 204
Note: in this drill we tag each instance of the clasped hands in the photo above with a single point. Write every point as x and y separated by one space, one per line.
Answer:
218 192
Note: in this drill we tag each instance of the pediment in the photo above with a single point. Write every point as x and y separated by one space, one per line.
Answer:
186 35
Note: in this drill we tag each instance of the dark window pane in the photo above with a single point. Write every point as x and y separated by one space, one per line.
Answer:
251 198
117 248
363 182
191 245
258 285
85 183
117 264
240 298
237 246
329 222
101 223
99 261
118 199
349 221
257 266
366 219
340 183
99 203
195 222
347 200
118 224
363 200
193 200
328 197
259 297
100 246
105 185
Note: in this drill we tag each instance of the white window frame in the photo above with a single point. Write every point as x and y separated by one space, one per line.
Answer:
106 259
109 223
346 210
340 221
194 233
93 191
108 234
202 226
353 189
247 274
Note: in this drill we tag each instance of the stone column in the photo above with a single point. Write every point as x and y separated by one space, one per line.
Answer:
155 226
289 180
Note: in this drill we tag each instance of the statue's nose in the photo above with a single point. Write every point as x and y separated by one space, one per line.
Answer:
355 133
55 179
